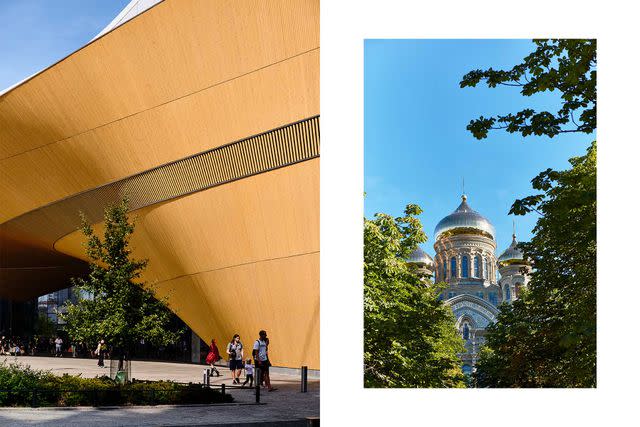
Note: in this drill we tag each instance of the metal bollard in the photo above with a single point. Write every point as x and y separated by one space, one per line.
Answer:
258 379
303 379
204 377
222 386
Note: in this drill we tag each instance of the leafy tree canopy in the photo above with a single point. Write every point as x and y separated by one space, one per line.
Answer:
44 326
568 66
410 339
119 308
548 337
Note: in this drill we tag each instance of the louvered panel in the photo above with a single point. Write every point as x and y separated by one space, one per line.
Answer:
274 149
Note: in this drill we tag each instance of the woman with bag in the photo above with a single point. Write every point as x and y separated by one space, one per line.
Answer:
213 356
100 350
236 355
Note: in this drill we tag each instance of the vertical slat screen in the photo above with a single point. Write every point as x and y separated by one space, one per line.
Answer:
274 149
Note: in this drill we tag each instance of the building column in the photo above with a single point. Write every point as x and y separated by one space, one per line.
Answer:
195 348
472 268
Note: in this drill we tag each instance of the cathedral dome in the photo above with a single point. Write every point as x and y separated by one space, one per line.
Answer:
420 257
512 255
464 220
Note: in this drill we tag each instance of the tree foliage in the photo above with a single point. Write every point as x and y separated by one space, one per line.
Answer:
43 326
568 66
119 309
410 339
548 337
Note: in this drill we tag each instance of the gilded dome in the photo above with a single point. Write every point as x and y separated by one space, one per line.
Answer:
419 256
464 220
512 255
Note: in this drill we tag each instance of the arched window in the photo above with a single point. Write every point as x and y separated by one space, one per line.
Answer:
518 288
454 271
465 331
476 266
465 266
507 293
484 268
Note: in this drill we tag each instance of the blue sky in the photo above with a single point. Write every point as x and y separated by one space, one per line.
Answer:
417 148
37 33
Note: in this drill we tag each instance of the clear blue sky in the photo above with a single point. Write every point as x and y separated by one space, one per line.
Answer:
37 33
417 148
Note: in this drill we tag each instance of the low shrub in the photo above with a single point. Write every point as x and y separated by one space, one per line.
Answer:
22 386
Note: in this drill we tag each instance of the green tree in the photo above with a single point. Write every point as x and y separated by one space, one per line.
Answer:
568 66
410 339
548 337
119 308
43 326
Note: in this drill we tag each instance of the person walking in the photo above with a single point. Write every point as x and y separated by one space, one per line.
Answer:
213 357
261 358
58 343
248 371
100 350
236 354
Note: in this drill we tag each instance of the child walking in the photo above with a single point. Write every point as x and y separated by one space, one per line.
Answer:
248 370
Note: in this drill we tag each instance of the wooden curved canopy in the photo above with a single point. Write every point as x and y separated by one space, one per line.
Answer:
184 77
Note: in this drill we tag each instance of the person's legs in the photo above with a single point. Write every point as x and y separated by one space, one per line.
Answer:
267 381
246 380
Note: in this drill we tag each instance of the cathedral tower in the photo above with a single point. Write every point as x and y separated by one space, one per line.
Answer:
465 260
514 272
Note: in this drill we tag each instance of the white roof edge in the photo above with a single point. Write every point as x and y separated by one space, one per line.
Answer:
133 9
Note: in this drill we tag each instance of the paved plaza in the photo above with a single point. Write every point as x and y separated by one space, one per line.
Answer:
286 406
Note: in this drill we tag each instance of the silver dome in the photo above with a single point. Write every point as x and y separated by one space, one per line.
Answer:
512 253
420 256
464 218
